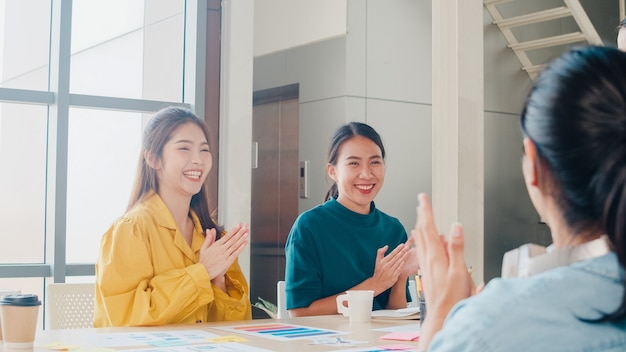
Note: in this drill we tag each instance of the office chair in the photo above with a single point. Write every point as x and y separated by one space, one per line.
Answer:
70 306
281 303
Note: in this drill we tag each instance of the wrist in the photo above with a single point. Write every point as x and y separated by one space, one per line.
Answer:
374 285
428 329
218 279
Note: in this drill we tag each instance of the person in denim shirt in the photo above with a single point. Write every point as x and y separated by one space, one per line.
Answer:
574 166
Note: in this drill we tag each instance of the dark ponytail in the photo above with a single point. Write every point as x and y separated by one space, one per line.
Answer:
576 116
342 134
333 192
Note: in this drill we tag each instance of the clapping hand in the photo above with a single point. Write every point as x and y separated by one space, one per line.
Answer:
218 255
410 263
388 268
445 277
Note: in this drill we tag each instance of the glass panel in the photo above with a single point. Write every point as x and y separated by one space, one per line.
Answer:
80 279
24 44
23 139
117 51
103 152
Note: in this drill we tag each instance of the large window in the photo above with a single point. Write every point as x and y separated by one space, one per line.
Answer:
78 81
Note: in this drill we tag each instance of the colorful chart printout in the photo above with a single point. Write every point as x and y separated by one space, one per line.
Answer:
282 332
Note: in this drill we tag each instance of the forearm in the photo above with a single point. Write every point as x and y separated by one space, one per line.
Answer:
322 306
220 282
371 284
429 328
397 297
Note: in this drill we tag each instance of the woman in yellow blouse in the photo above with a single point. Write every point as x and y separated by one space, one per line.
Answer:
166 261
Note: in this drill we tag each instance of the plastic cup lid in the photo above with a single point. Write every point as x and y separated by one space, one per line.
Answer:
25 300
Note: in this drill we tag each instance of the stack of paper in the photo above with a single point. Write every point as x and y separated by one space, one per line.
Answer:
403 313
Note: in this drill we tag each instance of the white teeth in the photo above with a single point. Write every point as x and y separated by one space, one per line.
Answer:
365 188
193 174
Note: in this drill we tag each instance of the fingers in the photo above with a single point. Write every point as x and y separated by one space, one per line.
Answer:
409 242
235 231
456 248
209 238
236 243
396 261
217 255
232 242
238 246
425 220
425 233
240 230
237 250
380 253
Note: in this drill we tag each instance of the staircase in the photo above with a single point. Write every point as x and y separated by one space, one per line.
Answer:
571 8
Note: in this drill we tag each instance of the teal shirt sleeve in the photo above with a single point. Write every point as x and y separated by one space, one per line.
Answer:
302 269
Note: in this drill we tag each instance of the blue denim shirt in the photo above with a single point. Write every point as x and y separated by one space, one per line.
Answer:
540 313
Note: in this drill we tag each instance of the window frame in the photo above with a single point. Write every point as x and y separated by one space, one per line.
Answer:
200 84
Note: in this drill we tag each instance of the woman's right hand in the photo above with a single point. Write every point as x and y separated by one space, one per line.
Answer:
388 268
218 255
445 277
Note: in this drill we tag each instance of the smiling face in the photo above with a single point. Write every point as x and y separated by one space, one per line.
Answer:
359 173
185 162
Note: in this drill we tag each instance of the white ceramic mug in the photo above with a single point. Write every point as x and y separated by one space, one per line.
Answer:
359 305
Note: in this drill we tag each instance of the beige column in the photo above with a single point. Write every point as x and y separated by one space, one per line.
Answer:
235 175
458 157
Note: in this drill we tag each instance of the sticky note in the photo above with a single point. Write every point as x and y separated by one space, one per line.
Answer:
228 338
402 336
59 346
397 347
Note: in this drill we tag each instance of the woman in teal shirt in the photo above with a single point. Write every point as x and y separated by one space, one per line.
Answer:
346 243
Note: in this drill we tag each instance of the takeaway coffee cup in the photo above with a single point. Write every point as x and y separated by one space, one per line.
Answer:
19 315
359 303
6 292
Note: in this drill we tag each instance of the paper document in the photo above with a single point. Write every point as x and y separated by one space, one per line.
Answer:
403 313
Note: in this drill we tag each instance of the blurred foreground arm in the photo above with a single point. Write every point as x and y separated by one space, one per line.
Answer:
445 277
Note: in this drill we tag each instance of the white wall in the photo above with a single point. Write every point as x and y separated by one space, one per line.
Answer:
380 73
282 24
362 76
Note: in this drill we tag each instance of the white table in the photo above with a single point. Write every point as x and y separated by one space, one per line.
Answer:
357 332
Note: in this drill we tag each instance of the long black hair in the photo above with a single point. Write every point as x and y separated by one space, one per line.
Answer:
343 134
576 116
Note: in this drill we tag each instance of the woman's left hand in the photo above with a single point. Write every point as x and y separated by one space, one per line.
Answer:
445 278
410 264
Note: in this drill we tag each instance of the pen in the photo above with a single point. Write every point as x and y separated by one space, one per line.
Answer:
418 286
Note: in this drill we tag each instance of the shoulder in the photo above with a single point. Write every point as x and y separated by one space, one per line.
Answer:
389 222
307 222
311 226
319 212
557 303
142 219
384 216
140 215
